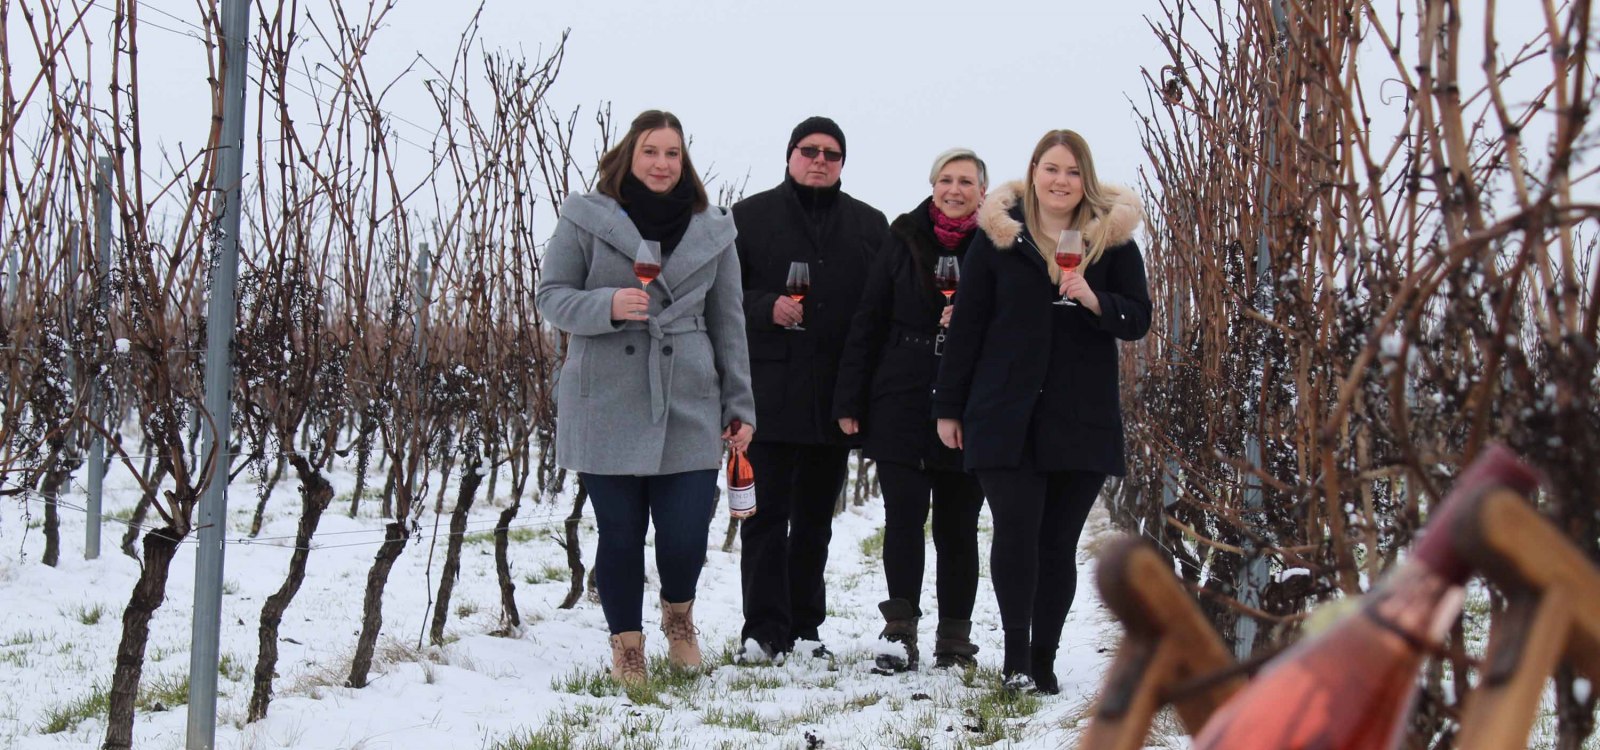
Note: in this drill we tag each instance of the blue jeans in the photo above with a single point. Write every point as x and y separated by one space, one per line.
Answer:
681 506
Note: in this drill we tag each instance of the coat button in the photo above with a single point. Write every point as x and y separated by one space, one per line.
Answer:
627 349
666 303
666 349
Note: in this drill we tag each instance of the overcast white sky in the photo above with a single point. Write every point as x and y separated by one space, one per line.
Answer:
904 80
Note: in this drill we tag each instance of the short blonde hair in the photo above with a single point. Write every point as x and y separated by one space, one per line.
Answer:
960 154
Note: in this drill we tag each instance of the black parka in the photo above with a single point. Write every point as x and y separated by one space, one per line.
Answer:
1020 372
794 372
887 371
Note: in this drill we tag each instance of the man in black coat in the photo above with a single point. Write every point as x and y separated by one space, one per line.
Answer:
799 454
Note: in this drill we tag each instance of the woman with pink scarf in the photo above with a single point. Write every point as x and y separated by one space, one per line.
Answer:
888 368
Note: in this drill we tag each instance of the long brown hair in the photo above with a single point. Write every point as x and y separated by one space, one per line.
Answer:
618 162
1095 204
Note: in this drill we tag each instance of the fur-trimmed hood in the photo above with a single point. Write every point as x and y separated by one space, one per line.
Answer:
996 219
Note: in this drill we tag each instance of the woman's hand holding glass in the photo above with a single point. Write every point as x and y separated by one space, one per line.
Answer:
1073 287
630 304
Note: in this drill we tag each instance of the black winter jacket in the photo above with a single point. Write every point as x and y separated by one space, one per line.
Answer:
887 372
1020 372
794 372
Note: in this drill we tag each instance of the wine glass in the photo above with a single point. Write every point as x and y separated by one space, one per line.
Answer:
798 286
946 275
1069 253
647 262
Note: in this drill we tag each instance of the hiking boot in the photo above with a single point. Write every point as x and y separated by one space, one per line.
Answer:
897 644
627 658
953 646
683 644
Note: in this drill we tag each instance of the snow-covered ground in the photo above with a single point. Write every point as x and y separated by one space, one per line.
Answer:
543 687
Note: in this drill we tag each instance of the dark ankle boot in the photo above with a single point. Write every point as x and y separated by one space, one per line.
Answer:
900 628
1044 671
953 646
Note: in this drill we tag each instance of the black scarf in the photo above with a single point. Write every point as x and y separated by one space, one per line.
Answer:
817 205
662 217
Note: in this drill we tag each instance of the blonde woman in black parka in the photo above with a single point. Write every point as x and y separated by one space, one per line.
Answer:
1030 389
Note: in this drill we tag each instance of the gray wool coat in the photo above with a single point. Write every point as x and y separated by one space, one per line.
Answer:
644 398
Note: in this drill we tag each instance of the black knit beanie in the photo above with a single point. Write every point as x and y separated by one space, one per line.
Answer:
811 125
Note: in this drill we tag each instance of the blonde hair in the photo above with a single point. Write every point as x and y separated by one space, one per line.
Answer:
960 154
1094 205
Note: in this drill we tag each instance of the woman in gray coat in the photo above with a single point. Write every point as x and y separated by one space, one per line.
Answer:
654 378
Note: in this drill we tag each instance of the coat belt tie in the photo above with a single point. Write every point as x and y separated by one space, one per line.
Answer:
661 385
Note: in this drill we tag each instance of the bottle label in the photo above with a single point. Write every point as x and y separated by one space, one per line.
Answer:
742 501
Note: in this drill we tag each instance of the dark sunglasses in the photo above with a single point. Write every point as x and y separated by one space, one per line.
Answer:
810 152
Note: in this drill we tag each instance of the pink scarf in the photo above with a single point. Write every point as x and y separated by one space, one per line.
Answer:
950 231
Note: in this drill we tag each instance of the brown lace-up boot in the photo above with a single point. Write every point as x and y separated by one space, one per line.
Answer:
627 658
683 645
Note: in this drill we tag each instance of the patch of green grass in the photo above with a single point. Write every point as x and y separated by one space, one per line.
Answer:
872 546
519 535
556 735
755 679
62 718
677 682
917 735
746 719
862 701
23 638
546 574
230 668
993 712
123 514
598 683
164 693
588 728
88 615
466 609
18 659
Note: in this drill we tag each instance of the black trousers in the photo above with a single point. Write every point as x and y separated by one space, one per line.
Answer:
956 498
1038 517
785 544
